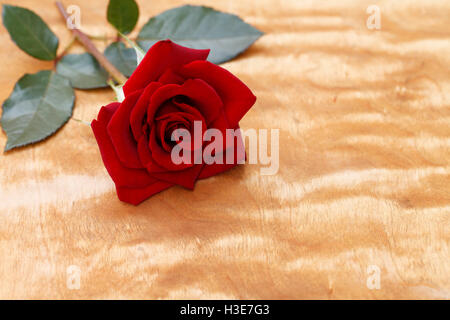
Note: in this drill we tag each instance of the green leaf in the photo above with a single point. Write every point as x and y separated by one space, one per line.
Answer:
121 57
38 106
123 15
30 32
83 71
200 27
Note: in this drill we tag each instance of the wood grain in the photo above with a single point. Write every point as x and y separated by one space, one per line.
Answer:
363 179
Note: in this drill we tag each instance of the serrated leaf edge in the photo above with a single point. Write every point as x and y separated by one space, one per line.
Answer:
8 146
44 47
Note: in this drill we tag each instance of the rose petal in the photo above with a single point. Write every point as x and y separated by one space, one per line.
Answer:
222 124
166 124
188 122
202 95
204 98
120 134
210 170
188 109
137 195
170 76
140 109
165 108
153 167
146 156
160 57
236 96
161 128
159 97
161 157
120 174
185 178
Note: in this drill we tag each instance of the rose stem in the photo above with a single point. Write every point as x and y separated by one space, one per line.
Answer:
89 45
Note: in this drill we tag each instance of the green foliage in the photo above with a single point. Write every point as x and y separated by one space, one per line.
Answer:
41 103
30 32
121 57
83 71
38 106
123 15
200 27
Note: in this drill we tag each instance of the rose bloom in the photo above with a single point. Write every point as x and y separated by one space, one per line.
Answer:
171 88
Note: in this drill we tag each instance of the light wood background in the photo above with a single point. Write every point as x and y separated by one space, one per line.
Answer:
363 178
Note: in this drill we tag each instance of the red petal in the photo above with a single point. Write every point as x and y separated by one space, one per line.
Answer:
144 153
161 157
139 110
120 174
222 124
137 195
236 96
216 168
170 76
165 108
188 120
159 97
166 122
203 96
160 57
185 178
188 109
120 134
161 128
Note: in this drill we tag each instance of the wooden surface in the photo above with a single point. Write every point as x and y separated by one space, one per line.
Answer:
363 179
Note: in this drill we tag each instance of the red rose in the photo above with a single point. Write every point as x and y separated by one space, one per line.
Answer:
171 88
